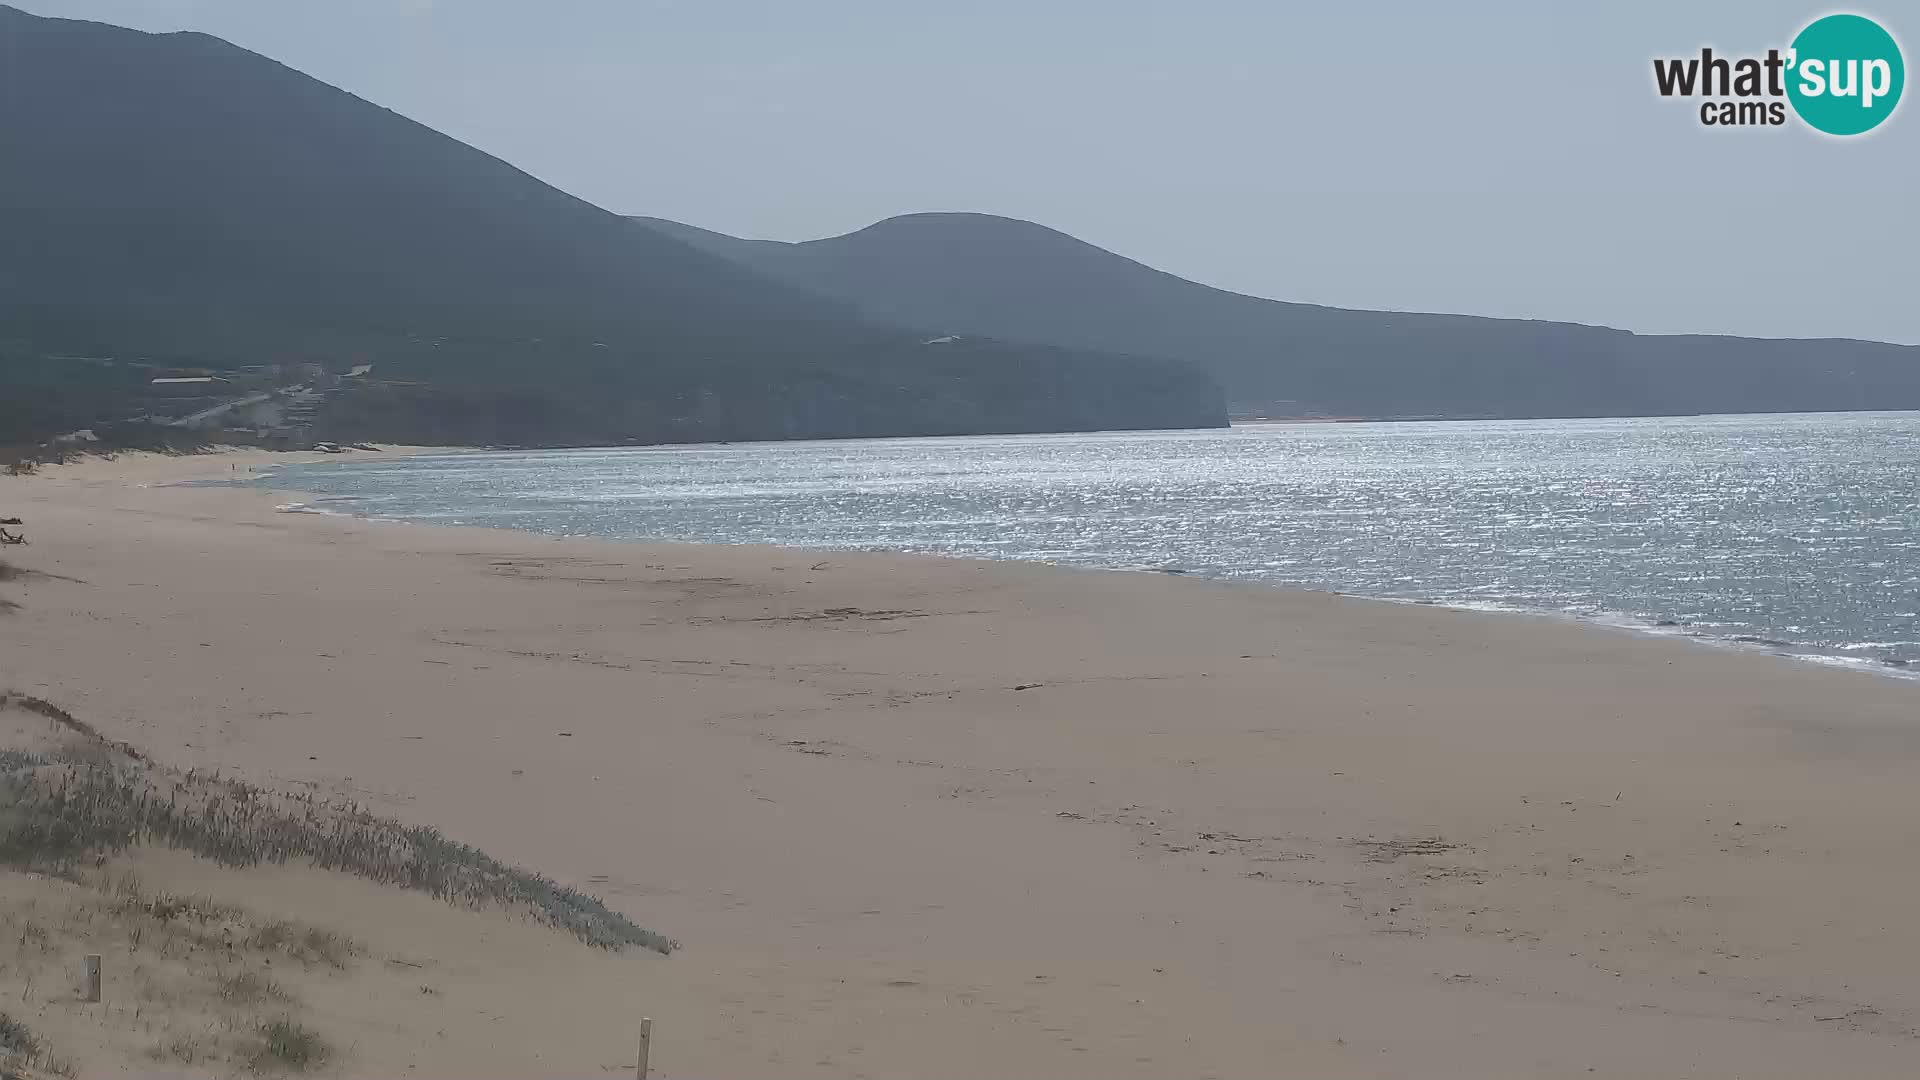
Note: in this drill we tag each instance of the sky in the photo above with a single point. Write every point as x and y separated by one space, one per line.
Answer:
1508 159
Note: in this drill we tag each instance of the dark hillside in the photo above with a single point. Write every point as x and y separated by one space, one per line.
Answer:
176 197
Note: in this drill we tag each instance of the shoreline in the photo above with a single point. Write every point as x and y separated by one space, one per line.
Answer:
1619 621
940 817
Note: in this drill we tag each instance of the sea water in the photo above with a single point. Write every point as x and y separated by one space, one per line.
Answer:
1798 533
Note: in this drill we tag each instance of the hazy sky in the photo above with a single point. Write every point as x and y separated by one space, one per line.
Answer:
1493 158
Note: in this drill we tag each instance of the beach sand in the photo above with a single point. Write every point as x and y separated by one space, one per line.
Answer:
915 817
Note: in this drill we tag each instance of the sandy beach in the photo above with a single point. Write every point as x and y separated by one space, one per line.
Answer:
915 817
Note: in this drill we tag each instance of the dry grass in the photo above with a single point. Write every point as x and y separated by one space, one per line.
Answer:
285 1044
187 972
59 808
23 1057
188 1049
65 719
15 1038
307 944
249 988
196 978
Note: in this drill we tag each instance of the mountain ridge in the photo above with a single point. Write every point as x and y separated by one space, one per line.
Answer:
968 272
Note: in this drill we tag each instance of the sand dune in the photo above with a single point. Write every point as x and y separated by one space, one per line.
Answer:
914 817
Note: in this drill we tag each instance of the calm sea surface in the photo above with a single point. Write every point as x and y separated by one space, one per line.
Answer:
1796 533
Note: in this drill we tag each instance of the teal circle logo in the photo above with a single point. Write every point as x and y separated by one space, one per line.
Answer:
1845 74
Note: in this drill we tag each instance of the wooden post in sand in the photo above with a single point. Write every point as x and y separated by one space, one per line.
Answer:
646 1047
93 977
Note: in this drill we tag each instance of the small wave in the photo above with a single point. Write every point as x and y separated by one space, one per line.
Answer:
1698 633
1764 642
1898 669
308 508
